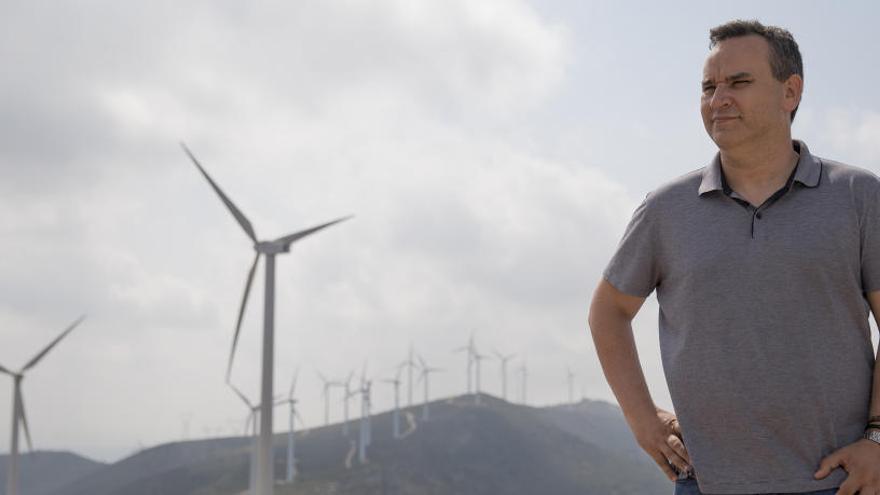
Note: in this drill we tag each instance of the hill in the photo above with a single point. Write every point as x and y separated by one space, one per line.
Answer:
65 468
492 448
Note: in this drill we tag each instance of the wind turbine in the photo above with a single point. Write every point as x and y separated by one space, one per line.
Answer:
327 385
19 418
469 350
250 427
410 364
365 426
291 433
265 479
396 415
478 358
504 358
346 398
425 375
524 375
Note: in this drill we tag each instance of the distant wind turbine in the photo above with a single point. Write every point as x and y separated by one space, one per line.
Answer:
19 418
503 358
251 426
410 364
365 426
425 375
524 375
469 351
291 433
396 414
346 398
328 384
265 479
478 358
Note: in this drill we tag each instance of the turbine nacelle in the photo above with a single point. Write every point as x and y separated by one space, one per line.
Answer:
271 247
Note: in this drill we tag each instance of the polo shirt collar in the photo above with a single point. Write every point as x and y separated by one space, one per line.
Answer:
808 171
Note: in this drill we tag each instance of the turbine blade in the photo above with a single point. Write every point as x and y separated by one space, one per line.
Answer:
52 344
293 383
291 238
23 418
241 395
244 300
422 362
239 216
301 422
4 370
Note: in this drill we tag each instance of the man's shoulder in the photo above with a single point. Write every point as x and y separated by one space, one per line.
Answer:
838 173
682 189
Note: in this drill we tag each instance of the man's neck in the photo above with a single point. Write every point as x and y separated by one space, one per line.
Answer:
756 172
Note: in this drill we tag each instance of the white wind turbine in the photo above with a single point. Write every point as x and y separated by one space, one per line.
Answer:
396 415
469 350
425 375
504 358
328 384
291 433
410 364
19 418
478 358
365 426
265 484
524 376
250 427
346 398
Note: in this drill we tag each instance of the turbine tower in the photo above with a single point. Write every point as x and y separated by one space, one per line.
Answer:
396 415
524 375
478 358
469 350
327 385
365 426
425 375
265 479
504 358
291 433
19 418
410 364
346 398
250 427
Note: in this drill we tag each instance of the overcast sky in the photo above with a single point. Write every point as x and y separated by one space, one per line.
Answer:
492 152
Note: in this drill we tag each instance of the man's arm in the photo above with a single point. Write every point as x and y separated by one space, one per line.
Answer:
656 431
861 459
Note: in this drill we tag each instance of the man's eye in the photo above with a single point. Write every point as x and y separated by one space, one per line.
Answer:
740 83
708 90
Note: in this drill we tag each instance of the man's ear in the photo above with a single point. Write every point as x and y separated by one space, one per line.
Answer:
793 88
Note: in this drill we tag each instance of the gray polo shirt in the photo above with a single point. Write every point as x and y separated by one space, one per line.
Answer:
764 331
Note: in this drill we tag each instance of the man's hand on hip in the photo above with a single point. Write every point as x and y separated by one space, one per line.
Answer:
661 439
861 461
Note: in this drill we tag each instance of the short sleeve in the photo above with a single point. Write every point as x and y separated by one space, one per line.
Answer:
870 238
634 269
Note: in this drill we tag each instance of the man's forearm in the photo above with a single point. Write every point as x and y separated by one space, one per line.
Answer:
615 346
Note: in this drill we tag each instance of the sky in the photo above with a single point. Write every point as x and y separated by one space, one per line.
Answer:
491 153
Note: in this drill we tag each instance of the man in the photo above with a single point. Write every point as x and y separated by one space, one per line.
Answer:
766 263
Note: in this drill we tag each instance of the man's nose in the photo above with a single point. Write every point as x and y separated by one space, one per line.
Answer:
720 97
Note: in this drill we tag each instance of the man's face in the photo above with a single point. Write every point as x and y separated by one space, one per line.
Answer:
742 102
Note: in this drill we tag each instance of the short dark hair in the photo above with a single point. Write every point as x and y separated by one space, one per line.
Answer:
785 57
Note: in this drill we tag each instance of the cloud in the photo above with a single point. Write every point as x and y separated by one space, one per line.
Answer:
400 112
